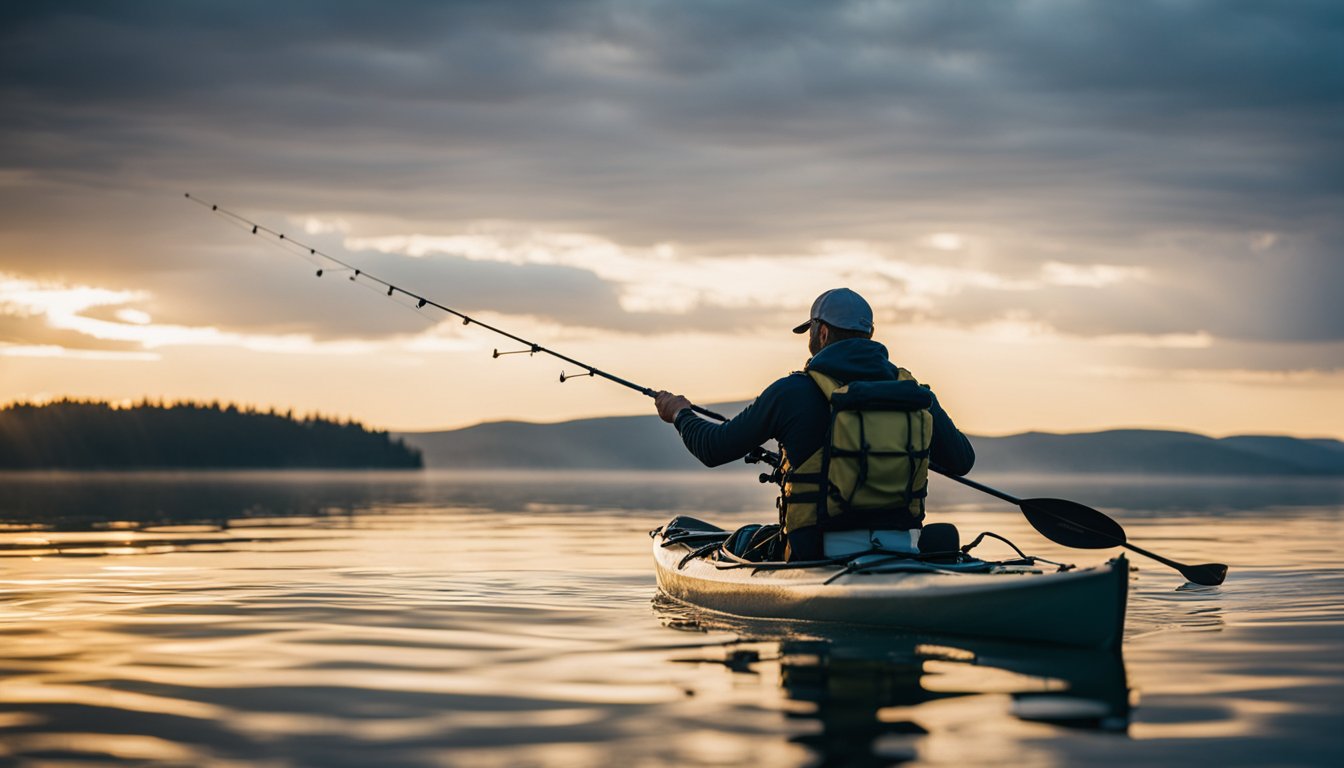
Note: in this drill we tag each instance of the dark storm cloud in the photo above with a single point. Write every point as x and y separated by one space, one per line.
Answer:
751 127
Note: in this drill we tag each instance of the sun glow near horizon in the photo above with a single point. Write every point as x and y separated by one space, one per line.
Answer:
1000 377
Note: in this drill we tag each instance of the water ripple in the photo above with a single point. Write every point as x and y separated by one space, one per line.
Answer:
457 623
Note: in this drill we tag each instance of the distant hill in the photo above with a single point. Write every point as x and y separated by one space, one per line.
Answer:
645 443
91 435
618 442
1144 451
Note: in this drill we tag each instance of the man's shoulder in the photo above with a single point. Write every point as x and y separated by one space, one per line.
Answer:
793 379
791 385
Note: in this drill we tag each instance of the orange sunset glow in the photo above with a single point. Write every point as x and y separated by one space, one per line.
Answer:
1048 249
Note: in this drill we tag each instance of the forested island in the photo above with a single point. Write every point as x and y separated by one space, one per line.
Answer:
71 434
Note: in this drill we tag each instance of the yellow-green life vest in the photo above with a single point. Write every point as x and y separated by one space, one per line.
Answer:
872 470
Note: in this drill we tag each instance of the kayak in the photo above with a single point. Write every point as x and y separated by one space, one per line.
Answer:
1017 600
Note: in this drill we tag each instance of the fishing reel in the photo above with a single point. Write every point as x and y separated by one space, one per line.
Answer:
769 458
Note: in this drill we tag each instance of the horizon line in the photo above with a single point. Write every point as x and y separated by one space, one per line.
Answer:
310 414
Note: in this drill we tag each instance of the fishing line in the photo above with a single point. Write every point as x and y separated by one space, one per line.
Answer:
323 260
314 257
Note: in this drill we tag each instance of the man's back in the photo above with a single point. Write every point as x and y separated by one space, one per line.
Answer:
793 411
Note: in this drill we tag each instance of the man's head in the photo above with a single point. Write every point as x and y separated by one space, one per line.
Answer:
837 314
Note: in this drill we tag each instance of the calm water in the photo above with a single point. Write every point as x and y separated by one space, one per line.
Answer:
508 620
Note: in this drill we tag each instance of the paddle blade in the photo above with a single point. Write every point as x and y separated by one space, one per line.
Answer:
1072 524
1209 574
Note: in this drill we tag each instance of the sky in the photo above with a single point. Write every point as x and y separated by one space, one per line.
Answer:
1068 216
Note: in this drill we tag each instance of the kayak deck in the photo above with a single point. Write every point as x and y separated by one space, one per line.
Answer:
1080 608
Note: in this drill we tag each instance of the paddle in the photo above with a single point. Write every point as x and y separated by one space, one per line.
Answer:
1074 525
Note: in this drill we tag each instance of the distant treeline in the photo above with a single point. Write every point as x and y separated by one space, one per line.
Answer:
71 434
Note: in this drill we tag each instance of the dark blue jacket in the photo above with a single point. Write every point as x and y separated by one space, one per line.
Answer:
795 412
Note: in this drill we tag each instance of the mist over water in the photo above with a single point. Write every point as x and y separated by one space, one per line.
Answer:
426 619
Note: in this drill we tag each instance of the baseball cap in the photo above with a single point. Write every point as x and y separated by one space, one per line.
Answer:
840 308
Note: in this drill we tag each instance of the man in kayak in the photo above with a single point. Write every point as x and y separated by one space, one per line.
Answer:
886 408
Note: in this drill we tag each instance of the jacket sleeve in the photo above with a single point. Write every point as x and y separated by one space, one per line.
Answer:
949 448
715 444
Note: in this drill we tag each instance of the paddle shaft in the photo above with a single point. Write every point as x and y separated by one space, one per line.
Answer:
1209 574
1169 563
1021 503
977 486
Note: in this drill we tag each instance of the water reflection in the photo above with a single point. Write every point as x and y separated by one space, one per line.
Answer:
83 501
74 501
503 619
866 691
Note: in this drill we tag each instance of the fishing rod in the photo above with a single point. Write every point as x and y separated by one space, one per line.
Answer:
322 261
1064 522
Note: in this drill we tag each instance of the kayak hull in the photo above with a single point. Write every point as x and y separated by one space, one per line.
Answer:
1081 608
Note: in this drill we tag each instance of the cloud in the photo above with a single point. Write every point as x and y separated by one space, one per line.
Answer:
1148 168
630 106
1235 288
29 332
32 315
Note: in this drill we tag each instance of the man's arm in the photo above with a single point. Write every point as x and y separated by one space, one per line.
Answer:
714 443
949 449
